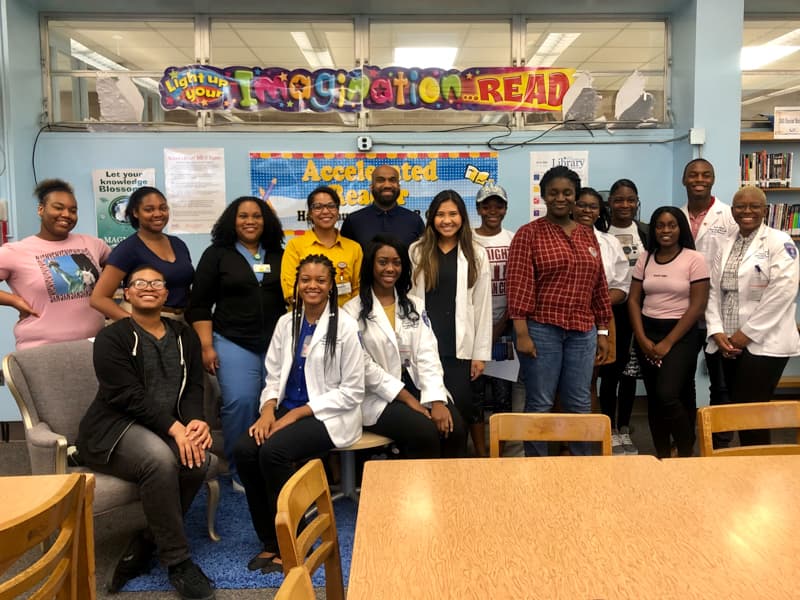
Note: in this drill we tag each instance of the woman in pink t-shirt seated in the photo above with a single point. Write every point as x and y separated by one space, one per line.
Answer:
673 280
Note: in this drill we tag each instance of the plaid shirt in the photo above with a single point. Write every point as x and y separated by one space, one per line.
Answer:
557 279
729 283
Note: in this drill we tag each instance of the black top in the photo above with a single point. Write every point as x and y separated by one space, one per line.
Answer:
162 368
227 292
366 223
440 303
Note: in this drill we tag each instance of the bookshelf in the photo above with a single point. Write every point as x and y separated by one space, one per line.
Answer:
782 198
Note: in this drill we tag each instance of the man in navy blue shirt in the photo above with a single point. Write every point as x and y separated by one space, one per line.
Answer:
383 215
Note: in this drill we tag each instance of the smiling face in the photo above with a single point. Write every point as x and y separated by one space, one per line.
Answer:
698 180
667 231
59 215
153 213
249 223
559 198
386 270
385 186
324 211
314 283
587 210
749 209
141 292
492 211
447 220
624 203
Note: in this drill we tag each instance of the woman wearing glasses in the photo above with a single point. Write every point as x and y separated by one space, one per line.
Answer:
323 238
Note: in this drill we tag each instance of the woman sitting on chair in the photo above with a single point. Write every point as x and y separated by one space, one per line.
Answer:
311 403
405 397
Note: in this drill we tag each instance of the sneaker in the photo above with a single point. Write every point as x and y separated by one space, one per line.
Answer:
190 581
135 560
616 443
627 443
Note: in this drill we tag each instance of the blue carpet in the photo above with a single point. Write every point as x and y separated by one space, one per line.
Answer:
225 562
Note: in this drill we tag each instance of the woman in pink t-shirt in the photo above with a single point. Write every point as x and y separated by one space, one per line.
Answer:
669 291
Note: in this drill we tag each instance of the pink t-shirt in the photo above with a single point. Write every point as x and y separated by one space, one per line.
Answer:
666 286
56 280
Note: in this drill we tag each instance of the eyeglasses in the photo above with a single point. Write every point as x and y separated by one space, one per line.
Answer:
143 284
321 207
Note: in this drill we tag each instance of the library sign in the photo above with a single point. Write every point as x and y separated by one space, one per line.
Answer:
499 89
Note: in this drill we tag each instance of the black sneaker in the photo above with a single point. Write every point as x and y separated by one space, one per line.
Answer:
136 560
190 581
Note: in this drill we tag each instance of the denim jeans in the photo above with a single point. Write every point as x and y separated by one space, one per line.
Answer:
564 363
241 375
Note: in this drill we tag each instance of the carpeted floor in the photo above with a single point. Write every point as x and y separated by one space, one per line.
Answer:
225 562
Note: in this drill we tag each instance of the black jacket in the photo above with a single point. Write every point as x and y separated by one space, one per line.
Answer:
226 292
121 398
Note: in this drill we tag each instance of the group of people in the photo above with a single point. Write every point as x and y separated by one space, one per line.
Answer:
388 324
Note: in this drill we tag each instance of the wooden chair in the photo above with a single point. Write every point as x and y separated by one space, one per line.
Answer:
754 415
296 586
548 427
54 574
308 488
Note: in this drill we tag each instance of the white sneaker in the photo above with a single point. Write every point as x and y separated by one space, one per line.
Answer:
627 443
616 443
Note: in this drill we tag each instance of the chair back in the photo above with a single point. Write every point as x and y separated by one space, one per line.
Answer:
52 384
55 573
306 489
752 415
548 427
296 586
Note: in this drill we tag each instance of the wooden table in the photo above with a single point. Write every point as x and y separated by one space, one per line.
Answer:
19 495
578 528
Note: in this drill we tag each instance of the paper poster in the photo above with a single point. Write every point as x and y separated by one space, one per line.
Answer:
284 179
195 187
541 162
112 187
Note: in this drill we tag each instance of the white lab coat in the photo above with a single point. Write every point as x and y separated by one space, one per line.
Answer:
615 263
473 305
716 229
335 387
768 280
387 348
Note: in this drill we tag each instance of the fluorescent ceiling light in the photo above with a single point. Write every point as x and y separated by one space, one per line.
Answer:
316 59
755 57
552 47
442 57
103 63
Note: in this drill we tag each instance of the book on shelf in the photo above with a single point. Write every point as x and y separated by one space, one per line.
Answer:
785 217
766 170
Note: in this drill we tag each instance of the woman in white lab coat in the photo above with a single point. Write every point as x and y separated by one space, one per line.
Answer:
311 402
451 277
752 304
405 397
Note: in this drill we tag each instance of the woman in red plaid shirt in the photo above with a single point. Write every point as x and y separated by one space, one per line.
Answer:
558 301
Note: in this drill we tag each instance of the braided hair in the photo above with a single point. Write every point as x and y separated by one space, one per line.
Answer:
333 306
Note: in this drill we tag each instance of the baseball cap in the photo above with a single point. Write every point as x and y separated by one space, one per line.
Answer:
491 190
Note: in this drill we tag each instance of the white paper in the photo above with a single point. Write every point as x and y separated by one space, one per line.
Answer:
195 188
503 369
541 162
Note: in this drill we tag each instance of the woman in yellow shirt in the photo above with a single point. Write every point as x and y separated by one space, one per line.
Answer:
323 238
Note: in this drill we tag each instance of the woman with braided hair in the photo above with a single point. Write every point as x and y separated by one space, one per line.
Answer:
311 402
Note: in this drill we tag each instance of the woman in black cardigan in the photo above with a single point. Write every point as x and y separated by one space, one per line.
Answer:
235 303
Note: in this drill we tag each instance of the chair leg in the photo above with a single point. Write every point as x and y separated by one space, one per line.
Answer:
213 502
347 480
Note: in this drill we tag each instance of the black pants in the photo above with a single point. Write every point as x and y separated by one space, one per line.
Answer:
717 391
266 468
617 391
416 435
752 378
671 405
457 382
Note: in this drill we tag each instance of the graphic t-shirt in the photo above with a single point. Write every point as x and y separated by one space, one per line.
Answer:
631 242
56 280
497 252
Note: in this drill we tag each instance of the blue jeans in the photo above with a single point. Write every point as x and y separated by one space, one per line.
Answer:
241 375
564 363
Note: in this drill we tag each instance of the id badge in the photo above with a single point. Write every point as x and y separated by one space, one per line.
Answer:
262 268
344 288
304 347
405 355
